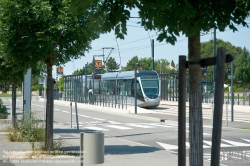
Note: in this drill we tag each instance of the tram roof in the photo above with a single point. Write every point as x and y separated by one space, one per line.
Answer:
125 74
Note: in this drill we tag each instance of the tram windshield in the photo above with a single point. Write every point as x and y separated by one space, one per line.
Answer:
150 85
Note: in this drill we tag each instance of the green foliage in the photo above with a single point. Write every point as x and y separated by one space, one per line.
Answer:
162 66
112 65
3 110
168 18
9 95
131 64
37 87
207 48
172 63
79 71
61 83
242 72
4 86
27 130
207 51
238 89
37 30
145 63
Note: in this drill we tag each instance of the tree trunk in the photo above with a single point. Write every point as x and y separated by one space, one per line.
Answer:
49 106
195 105
13 104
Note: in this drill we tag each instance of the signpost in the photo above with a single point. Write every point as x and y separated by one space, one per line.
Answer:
98 64
59 70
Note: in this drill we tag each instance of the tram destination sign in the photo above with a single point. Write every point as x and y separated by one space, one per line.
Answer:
98 64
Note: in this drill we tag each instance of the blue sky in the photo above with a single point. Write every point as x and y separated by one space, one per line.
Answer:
137 42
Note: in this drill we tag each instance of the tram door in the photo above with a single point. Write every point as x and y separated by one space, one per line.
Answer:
138 91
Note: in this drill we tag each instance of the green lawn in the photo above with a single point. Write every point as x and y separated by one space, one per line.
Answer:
9 95
246 128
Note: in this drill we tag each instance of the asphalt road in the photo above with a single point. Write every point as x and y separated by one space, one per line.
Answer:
235 143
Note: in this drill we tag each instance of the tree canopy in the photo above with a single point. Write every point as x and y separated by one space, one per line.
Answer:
112 65
44 31
242 72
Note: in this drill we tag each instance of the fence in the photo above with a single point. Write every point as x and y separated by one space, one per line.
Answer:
105 100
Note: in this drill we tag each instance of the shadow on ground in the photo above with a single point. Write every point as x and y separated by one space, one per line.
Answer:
72 131
116 149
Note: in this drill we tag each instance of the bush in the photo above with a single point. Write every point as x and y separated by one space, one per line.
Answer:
238 89
3 110
27 131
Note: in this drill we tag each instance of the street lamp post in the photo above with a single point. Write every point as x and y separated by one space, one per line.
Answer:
85 90
206 87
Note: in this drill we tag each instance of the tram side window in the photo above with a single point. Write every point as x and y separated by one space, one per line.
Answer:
128 87
122 87
111 87
108 87
138 90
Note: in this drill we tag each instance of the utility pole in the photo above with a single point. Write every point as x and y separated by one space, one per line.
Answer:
214 50
135 90
152 52
93 74
105 60
232 91
85 90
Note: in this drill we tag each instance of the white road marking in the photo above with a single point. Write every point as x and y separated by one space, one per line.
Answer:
133 142
139 125
96 128
98 119
113 122
118 127
161 125
221 145
247 140
168 146
235 143
203 133
83 116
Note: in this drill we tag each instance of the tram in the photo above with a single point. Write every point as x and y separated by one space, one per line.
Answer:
122 83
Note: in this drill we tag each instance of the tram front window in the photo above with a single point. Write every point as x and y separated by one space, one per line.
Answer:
150 85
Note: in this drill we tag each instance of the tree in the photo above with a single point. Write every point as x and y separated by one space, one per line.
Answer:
61 83
145 63
172 64
131 64
111 65
242 72
169 19
207 51
161 66
79 71
45 31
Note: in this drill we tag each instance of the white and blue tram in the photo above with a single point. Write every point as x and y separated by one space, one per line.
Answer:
122 83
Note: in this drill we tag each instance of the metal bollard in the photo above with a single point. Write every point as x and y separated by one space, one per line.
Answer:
112 101
92 146
238 100
227 113
81 149
212 109
70 114
122 101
